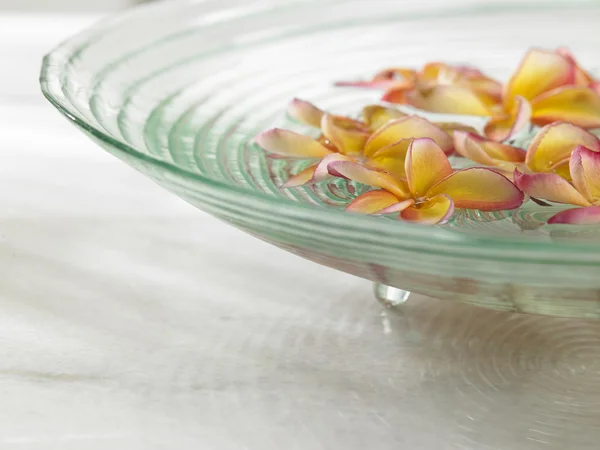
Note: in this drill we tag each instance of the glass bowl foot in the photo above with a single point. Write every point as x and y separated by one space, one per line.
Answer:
388 296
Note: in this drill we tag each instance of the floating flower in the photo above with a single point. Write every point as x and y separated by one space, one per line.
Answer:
583 189
439 87
550 150
547 86
427 189
345 139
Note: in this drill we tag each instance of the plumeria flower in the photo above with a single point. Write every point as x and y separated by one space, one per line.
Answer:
439 87
550 150
488 152
583 190
427 189
547 86
348 140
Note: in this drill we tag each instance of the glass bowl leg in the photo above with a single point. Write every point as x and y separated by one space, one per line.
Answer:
388 296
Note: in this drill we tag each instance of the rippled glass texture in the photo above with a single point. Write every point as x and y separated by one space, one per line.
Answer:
178 89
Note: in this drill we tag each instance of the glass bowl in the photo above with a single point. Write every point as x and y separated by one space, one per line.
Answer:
177 90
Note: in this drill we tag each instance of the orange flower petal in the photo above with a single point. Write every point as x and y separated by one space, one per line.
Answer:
577 216
397 94
479 188
349 136
485 151
288 143
504 127
391 158
301 178
305 112
356 172
374 202
549 186
406 128
578 105
375 116
425 165
554 143
540 71
435 210
585 172
453 100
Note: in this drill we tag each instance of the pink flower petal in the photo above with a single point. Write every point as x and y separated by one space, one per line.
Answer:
504 127
356 172
577 216
549 186
425 165
433 211
288 143
479 188
377 202
582 78
322 169
554 144
305 112
370 84
407 128
585 172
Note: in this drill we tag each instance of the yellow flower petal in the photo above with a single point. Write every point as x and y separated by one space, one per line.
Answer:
301 178
372 202
356 172
585 171
425 165
305 112
391 158
468 147
554 144
479 188
349 136
540 71
433 211
503 127
288 143
453 100
452 127
549 186
578 105
406 128
485 151
375 116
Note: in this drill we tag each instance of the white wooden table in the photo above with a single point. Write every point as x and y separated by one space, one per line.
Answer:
129 320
